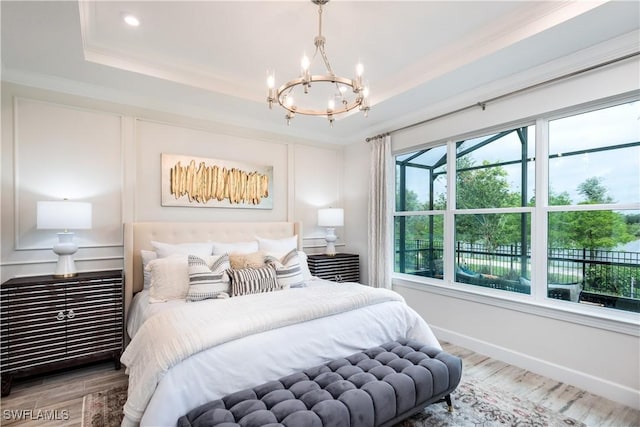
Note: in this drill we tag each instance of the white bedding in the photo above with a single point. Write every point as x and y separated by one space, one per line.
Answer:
266 355
142 309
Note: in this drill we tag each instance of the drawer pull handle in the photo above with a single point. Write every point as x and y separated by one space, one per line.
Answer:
60 316
71 314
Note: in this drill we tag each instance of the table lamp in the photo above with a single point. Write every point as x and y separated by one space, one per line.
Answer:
64 215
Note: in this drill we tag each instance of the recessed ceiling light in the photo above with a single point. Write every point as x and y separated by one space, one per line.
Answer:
131 20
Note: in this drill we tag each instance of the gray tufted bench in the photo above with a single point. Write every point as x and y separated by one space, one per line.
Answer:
377 387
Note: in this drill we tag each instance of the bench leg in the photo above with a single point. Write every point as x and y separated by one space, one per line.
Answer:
447 399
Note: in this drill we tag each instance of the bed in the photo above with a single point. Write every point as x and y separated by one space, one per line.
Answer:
182 354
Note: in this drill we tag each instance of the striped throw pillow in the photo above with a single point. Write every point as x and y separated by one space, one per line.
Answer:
288 270
245 281
208 277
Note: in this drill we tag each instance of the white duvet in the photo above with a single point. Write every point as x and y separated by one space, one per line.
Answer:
192 353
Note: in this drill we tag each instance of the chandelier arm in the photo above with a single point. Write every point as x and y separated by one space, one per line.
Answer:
325 59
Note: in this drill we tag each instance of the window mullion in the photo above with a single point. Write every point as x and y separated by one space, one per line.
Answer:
449 220
539 219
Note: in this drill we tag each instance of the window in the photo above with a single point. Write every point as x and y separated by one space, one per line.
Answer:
593 237
494 174
421 197
588 216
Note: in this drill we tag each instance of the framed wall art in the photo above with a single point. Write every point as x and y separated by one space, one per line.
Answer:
201 182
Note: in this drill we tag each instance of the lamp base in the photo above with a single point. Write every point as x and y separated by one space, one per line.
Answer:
330 238
65 248
64 276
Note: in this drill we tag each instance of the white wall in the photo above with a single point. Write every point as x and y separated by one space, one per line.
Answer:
316 190
356 196
56 145
577 350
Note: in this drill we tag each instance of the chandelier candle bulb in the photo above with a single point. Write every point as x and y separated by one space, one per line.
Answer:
364 105
271 96
359 72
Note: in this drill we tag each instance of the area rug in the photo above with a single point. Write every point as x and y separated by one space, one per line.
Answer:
104 408
475 405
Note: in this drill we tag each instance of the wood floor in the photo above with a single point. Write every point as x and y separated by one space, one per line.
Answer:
60 395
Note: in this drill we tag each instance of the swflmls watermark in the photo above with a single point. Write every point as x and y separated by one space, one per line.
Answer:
35 414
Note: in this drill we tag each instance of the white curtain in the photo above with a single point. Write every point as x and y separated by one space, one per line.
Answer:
380 226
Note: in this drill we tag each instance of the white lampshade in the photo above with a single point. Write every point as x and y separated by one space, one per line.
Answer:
63 215
331 217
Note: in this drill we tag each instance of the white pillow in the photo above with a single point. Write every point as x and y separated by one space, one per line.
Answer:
220 248
147 256
304 266
278 246
169 278
288 271
208 277
167 249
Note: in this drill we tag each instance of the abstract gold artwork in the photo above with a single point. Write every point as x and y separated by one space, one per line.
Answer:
210 182
202 183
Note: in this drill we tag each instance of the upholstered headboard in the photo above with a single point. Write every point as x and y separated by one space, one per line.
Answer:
138 236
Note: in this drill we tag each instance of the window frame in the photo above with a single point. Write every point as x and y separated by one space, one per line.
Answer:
537 302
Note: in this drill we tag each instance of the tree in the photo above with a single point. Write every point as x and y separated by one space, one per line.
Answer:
593 191
559 221
485 187
633 224
596 229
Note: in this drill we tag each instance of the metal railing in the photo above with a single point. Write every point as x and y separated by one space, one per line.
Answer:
601 271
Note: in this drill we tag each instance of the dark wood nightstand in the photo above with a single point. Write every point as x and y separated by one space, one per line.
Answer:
51 323
339 268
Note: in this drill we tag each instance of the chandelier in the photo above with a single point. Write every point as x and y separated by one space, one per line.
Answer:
339 94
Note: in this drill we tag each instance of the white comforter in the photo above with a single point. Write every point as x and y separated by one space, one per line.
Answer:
198 352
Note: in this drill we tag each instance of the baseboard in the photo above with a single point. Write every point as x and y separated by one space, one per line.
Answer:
599 386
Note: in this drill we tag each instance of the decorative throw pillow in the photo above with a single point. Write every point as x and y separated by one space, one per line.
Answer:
147 256
253 260
288 271
247 281
220 248
169 278
167 249
208 277
278 246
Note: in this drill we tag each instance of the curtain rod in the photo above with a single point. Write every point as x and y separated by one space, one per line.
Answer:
382 135
483 104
